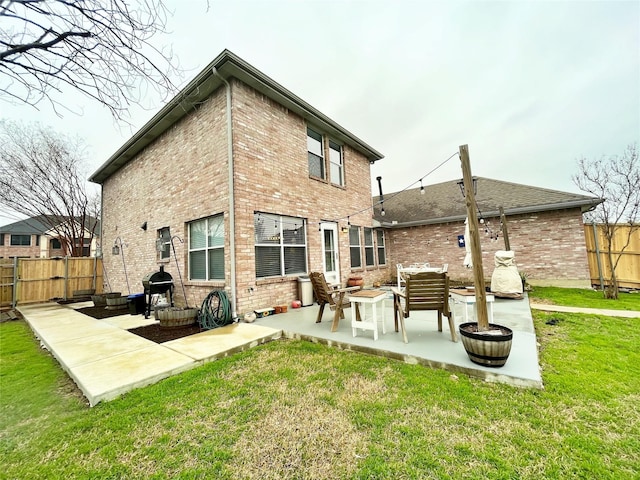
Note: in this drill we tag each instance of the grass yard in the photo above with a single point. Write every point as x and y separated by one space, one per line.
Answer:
299 410
580 297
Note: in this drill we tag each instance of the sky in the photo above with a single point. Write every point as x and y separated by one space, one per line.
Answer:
529 86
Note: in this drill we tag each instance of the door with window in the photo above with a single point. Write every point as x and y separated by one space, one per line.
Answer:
330 260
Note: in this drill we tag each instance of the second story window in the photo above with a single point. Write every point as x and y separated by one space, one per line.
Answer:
336 167
315 150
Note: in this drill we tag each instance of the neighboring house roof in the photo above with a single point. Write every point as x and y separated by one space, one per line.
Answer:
202 86
443 202
39 225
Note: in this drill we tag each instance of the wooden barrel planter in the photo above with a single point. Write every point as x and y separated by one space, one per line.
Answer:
84 293
355 282
116 303
176 316
100 300
487 349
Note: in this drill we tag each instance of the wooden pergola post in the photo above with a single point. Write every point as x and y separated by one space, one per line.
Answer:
474 234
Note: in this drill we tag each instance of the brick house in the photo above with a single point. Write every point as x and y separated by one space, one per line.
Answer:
253 185
545 229
35 238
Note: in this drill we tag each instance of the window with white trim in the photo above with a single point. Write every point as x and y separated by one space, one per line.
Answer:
369 255
355 247
315 149
206 249
336 167
164 243
280 245
382 253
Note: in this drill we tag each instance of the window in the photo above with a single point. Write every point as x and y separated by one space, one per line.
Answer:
281 245
1 239
354 247
335 164
164 243
55 244
315 152
20 240
86 246
369 257
382 254
206 249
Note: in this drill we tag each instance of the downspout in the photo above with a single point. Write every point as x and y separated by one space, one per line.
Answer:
232 215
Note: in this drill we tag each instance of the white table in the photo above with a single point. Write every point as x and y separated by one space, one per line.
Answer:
364 321
402 272
468 297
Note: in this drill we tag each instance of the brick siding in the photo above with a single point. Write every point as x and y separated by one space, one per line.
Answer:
182 177
548 246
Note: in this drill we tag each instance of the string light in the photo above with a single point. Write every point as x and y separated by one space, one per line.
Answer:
421 188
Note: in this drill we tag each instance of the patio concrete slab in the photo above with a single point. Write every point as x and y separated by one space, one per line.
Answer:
221 342
87 349
106 360
107 378
426 345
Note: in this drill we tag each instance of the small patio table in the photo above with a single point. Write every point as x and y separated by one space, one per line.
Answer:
364 322
468 297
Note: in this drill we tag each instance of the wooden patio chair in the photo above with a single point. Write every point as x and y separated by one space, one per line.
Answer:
423 291
327 295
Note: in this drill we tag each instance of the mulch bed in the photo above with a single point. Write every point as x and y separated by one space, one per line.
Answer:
155 332
102 312
159 334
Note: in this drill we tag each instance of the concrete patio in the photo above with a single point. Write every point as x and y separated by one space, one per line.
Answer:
105 360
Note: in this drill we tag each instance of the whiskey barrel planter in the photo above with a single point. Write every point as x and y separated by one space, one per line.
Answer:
176 317
84 293
355 282
116 303
487 349
100 300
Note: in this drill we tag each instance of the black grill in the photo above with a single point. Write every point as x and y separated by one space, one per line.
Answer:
159 282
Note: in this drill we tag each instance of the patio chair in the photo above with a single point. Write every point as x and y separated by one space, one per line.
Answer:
332 296
423 291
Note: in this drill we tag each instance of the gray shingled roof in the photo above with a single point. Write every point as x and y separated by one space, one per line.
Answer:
29 226
33 226
443 202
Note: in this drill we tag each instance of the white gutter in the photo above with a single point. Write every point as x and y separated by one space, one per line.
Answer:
232 214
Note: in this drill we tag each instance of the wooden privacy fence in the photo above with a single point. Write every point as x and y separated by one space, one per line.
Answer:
628 270
32 280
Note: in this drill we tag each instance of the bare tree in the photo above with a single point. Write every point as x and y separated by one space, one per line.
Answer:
102 48
615 179
42 177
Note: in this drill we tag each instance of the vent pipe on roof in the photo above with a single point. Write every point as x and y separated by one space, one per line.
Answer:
232 216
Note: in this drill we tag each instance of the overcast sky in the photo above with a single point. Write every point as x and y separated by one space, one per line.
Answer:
530 86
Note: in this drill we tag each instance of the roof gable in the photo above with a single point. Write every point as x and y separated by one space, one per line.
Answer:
201 87
443 202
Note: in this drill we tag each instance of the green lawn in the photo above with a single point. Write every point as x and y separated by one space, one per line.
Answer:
299 410
580 297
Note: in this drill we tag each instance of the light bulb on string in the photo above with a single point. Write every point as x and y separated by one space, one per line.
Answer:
421 188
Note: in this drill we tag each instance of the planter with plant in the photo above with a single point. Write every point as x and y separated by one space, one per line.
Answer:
486 344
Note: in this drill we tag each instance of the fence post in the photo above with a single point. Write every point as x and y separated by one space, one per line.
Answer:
66 276
595 240
14 297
